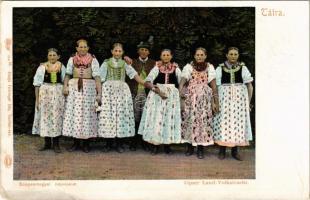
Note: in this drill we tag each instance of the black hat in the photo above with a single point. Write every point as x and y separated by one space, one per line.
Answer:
143 45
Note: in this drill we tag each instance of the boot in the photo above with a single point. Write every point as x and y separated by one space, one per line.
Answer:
200 152
47 144
108 146
190 150
75 146
119 147
167 149
133 143
222 152
56 144
235 154
86 148
155 149
145 146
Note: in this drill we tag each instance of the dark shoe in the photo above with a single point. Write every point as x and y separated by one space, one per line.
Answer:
235 154
145 146
86 148
190 150
222 153
167 149
75 146
108 146
119 146
133 145
200 154
56 145
155 149
47 144
120 149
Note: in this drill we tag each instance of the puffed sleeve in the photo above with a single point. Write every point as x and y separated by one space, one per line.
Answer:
69 70
39 76
211 73
63 72
103 71
130 71
152 75
95 68
218 72
178 73
246 75
187 72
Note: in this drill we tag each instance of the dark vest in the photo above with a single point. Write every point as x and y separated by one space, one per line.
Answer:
172 79
47 77
233 77
138 66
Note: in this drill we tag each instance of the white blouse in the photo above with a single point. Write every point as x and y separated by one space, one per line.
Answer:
188 69
130 71
155 71
38 78
94 67
245 73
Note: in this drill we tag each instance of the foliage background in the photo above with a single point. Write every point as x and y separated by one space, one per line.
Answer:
181 29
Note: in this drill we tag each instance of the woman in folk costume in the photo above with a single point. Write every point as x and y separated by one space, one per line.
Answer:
82 91
232 125
200 100
143 65
161 118
116 119
49 105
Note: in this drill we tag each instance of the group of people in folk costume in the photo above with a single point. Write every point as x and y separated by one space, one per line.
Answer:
151 102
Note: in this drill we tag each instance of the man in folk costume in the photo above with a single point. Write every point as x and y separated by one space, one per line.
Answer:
143 65
82 91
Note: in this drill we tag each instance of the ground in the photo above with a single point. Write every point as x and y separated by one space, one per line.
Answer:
31 164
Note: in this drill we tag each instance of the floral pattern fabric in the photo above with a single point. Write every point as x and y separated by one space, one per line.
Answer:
197 115
116 118
80 118
48 117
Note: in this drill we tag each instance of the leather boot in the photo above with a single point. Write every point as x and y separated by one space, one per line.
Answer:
119 147
167 149
47 144
222 152
133 143
190 150
56 144
200 154
75 146
155 149
86 148
145 146
235 154
108 146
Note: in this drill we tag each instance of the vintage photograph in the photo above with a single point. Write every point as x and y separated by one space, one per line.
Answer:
134 100
133 93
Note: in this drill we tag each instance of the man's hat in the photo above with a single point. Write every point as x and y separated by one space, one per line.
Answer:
143 45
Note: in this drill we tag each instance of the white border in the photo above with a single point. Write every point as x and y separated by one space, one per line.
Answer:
282 118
